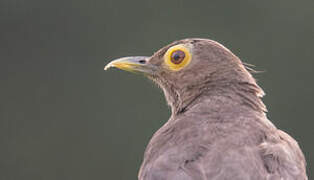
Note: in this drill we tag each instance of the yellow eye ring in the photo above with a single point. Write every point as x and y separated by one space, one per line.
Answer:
177 57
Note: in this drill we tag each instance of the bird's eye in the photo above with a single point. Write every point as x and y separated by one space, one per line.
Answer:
177 57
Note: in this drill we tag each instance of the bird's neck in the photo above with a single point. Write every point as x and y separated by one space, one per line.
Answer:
240 95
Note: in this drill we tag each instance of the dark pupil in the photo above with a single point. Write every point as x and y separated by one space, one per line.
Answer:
177 57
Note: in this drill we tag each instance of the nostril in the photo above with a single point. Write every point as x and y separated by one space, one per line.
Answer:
142 61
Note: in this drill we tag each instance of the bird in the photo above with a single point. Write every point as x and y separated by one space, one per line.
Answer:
218 128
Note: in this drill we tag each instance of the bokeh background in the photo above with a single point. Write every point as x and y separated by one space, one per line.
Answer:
62 117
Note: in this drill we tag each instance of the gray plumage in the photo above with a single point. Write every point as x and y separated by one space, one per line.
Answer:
218 129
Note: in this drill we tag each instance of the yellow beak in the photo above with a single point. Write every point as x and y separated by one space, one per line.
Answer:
132 64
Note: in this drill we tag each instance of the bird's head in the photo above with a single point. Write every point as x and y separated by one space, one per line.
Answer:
185 69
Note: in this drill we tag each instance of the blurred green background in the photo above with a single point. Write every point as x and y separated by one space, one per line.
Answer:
62 117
